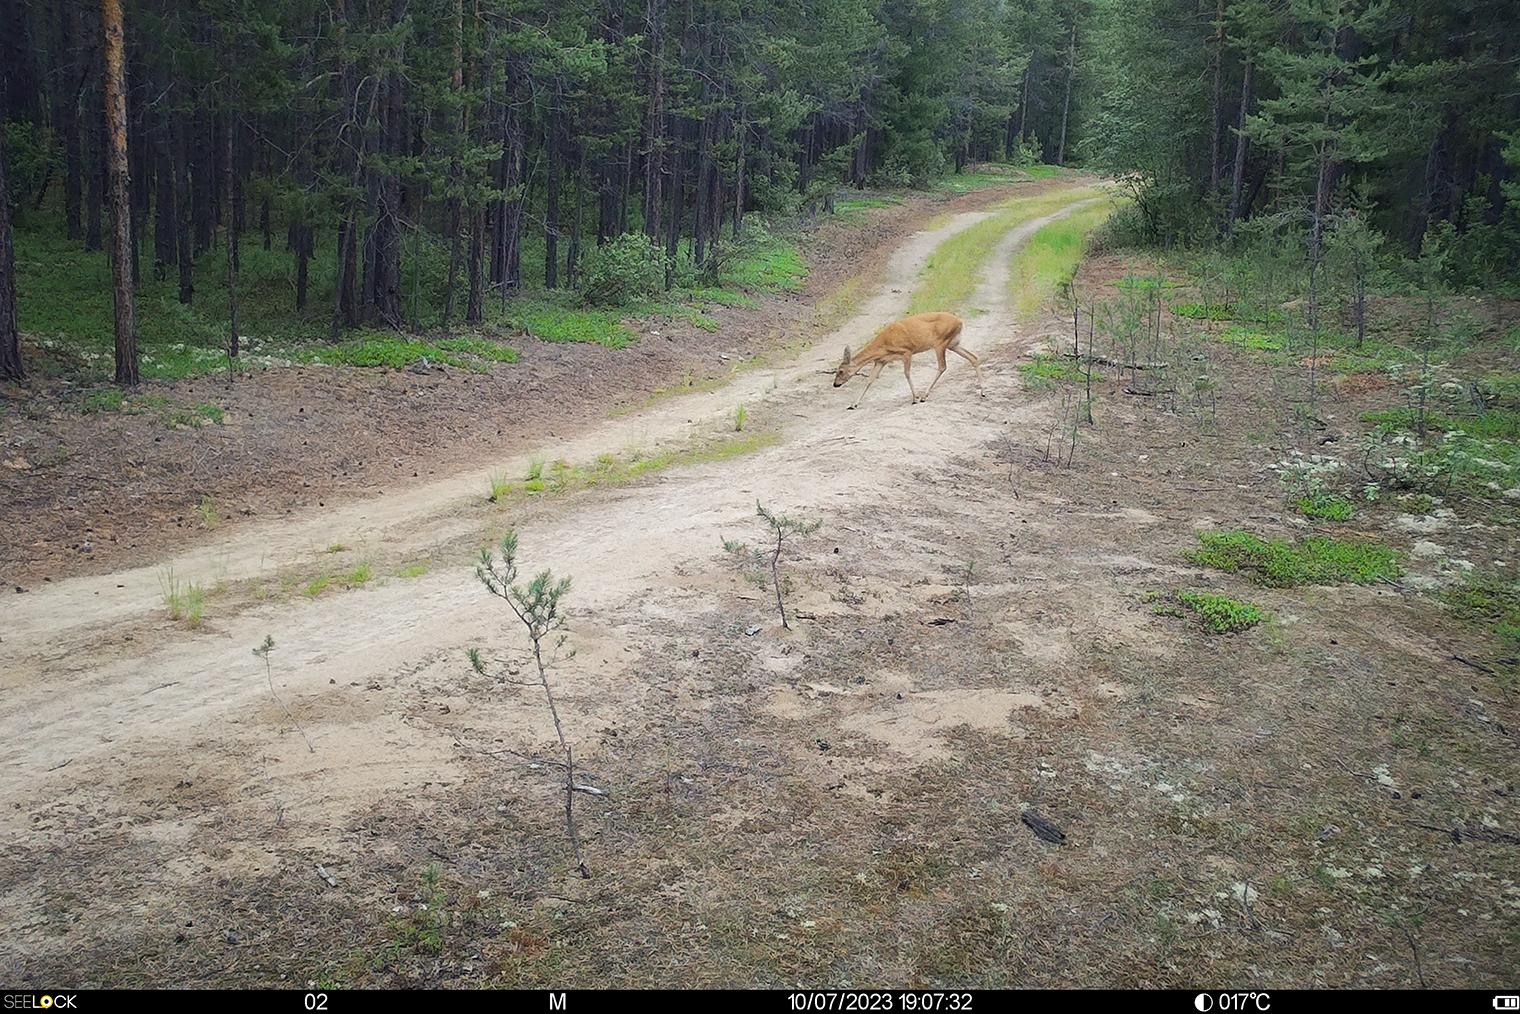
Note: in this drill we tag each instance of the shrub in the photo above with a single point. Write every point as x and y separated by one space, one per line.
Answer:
625 270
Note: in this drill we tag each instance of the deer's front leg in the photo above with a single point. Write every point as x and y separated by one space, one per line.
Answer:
875 372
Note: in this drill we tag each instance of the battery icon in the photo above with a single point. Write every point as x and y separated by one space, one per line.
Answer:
1507 1003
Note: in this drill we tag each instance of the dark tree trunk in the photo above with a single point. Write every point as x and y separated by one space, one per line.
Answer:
573 255
95 173
551 196
677 197
10 338
475 307
1240 143
69 125
508 253
127 373
345 294
165 219
303 247
702 198
1217 120
739 177
1071 72
230 179
654 120
140 175
184 245
203 183
861 137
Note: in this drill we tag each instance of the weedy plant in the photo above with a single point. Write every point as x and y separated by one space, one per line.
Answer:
1220 614
185 601
262 651
536 605
782 527
1282 564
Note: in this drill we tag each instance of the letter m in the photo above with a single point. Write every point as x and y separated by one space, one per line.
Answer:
556 1002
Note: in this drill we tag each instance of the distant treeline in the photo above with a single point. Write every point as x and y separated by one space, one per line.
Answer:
355 124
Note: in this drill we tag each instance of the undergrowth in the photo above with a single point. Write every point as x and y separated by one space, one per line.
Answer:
1283 564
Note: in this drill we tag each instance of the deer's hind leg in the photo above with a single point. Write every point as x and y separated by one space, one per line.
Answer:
939 354
975 364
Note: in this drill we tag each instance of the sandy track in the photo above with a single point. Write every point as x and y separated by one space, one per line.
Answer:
101 690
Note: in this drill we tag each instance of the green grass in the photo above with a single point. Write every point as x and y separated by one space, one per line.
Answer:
1283 564
551 322
500 486
1494 424
1220 614
1489 602
772 266
852 206
1248 339
994 176
1329 506
1051 257
65 308
1205 311
1479 455
1045 369
953 271
185 601
1225 311
612 470
381 349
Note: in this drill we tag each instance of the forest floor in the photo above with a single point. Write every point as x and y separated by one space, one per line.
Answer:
980 628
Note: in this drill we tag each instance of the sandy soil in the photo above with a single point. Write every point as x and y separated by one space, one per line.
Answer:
966 599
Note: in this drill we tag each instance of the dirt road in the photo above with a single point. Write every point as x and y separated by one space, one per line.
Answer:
944 605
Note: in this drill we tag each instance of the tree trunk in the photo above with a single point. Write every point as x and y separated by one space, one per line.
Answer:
127 373
1071 72
1217 121
230 179
475 306
654 120
1240 143
551 195
573 255
184 245
70 127
95 174
166 203
303 244
10 338
739 178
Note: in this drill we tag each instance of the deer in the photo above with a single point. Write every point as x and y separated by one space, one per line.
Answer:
904 340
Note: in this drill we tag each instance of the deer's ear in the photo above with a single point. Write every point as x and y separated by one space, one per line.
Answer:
847 355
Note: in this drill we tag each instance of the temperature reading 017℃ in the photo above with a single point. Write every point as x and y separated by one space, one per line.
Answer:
1226 1002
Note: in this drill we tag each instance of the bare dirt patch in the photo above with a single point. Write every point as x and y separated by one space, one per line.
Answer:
839 804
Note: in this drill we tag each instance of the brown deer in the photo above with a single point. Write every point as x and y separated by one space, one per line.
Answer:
904 340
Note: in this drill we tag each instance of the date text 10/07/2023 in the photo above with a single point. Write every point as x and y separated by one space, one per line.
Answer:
847 1002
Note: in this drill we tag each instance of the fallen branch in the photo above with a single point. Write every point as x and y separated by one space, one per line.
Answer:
1114 362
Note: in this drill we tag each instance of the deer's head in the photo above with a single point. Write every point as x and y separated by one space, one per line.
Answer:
846 369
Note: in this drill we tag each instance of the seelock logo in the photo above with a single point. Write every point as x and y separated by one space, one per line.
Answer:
46 1001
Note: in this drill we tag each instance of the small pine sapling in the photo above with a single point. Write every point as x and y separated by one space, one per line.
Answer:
537 606
262 651
782 527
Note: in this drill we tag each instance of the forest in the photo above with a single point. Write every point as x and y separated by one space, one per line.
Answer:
419 163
